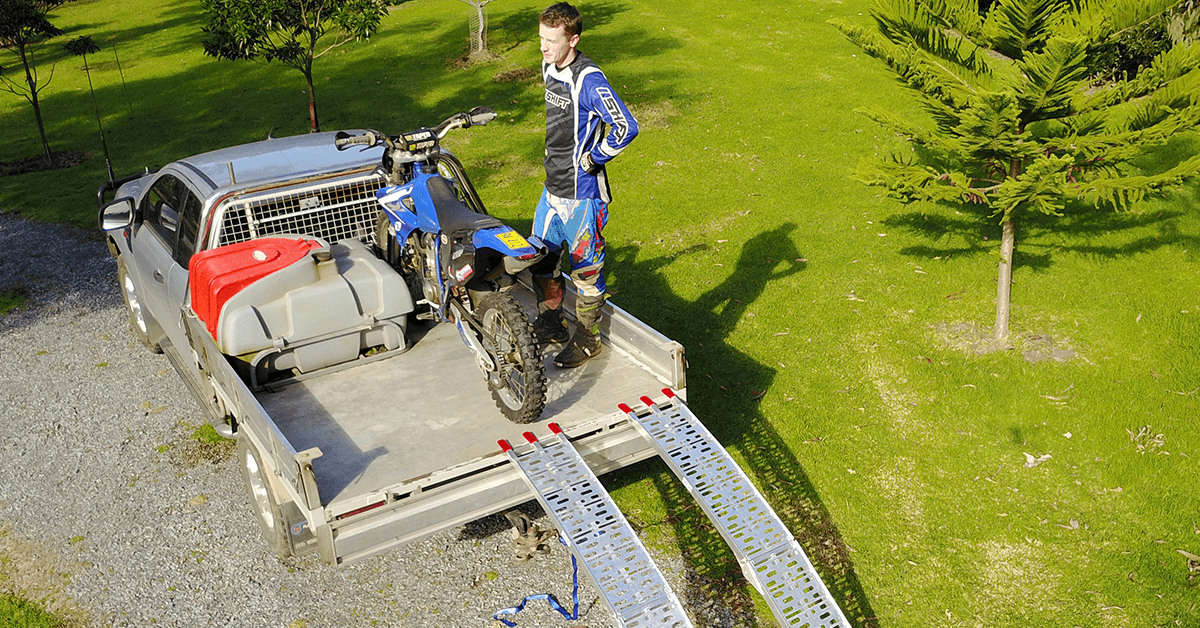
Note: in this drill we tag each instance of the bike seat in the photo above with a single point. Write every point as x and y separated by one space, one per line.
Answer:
452 214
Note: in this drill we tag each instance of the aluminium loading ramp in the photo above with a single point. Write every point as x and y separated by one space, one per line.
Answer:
617 562
597 533
769 555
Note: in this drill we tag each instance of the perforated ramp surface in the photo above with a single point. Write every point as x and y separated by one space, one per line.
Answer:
597 533
770 557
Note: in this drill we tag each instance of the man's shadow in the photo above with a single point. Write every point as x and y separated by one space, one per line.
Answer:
724 389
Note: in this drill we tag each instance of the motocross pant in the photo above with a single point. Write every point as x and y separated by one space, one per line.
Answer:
578 223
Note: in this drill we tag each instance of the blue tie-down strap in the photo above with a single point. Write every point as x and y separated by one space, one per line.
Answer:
549 597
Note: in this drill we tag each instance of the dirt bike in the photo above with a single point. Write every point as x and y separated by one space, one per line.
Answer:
433 229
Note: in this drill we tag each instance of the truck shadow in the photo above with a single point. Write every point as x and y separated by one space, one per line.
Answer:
52 268
725 386
306 423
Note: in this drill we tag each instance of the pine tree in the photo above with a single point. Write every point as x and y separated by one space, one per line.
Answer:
1015 129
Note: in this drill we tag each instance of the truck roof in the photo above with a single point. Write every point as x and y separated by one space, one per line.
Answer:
277 158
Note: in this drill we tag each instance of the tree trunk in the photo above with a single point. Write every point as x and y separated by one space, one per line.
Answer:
37 108
480 35
312 102
1004 281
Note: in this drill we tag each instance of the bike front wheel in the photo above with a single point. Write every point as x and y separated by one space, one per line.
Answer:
518 383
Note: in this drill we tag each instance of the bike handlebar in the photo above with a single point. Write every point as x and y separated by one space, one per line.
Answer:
477 116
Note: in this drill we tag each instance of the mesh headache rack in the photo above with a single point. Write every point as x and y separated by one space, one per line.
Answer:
334 210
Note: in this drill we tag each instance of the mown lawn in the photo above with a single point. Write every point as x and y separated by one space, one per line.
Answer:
827 328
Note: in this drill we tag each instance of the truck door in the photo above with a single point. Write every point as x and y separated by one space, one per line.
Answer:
190 209
153 246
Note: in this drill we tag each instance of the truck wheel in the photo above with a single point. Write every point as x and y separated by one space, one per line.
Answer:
140 321
518 384
262 499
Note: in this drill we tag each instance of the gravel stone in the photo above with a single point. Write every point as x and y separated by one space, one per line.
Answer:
98 465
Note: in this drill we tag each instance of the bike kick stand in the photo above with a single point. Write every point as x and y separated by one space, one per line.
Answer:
615 560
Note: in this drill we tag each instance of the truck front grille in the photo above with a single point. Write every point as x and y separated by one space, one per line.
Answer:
334 211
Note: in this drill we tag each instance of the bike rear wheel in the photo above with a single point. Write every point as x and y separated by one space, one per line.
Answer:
518 383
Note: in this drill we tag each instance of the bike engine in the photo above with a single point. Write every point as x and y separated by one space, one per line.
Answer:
429 268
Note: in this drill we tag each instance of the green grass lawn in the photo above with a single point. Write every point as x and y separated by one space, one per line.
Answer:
16 612
820 320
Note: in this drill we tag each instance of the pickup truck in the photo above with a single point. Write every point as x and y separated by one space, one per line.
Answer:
359 428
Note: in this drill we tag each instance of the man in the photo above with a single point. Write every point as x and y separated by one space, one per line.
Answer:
587 125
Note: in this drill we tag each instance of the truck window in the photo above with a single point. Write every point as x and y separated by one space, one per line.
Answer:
159 209
189 226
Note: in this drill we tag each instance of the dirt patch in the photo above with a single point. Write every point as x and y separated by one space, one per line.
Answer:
971 339
515 75
656 115
1014 580
905 493
40 574
193 446
473 59
1039 348
59 161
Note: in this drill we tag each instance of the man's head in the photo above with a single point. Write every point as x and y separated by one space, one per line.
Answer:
559 27
564 15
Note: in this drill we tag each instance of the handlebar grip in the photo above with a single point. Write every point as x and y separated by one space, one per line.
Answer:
344 139
481 115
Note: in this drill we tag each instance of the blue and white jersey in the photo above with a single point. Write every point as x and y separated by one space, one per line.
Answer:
583 115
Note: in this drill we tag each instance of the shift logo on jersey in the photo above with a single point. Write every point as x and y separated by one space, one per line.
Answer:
620 125
554 100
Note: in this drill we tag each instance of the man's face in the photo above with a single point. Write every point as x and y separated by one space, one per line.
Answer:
557 47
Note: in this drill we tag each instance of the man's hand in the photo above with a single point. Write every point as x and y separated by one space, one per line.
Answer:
589 165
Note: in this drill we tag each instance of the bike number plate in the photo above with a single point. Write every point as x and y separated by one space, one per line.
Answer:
513 240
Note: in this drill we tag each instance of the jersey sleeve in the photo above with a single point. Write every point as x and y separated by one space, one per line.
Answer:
601 99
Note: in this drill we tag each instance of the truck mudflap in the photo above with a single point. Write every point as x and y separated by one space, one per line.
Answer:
600 538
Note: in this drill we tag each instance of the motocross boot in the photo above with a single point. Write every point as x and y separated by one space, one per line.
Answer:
585 344
550 327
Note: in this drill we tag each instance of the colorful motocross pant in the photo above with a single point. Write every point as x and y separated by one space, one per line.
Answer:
578 223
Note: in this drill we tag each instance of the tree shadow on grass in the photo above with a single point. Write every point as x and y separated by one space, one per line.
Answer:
185 15
733 414
394 82
1095 232
1084 229
206 104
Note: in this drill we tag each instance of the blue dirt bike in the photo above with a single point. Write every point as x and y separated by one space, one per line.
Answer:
433 229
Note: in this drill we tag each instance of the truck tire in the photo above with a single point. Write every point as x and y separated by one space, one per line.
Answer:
141 323
518 385
262 498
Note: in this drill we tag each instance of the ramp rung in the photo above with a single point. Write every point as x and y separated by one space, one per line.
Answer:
597 533
770 557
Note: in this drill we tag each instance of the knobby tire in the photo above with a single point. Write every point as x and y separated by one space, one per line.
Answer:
519 385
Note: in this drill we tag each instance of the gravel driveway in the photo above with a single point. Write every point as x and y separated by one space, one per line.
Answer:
111 508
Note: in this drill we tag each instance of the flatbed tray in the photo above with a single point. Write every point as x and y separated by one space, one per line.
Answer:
385 422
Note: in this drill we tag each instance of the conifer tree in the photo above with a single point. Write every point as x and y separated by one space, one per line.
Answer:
1014 127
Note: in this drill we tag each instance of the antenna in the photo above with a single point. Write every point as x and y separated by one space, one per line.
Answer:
82 47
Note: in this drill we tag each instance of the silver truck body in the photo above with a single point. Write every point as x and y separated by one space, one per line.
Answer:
382 450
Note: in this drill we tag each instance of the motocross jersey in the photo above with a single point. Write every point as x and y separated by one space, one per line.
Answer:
583 115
